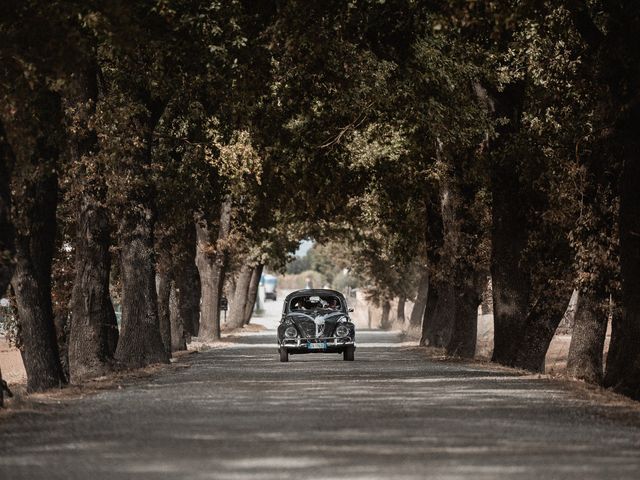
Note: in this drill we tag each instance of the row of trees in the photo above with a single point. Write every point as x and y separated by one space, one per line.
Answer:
499 145
445 142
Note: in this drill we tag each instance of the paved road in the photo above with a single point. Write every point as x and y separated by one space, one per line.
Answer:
237 413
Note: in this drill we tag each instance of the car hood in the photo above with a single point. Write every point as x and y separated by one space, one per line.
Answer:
318 326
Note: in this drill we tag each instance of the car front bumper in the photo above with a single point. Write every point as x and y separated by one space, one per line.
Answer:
326 345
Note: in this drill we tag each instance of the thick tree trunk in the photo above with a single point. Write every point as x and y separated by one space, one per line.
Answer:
7 242
428 333
187 283
587 340
541 324
385 321
33 136
90 348
439 315
253 292
421 300
238 305
178 332
464 327
511 287
32 284
110 329
400 311
90 352
623 360
164 314
140 343
211 259
509 231
7 245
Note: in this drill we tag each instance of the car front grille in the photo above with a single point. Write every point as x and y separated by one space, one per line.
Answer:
308 328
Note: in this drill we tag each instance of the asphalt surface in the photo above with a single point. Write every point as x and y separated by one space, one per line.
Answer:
238 413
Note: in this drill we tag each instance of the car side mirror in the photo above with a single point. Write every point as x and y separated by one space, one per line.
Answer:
350 310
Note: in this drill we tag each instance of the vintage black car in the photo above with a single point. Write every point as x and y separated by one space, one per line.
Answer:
316 321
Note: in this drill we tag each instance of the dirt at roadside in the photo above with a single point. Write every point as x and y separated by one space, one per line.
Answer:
11 363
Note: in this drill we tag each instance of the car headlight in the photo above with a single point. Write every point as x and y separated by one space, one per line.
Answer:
291 332
342 331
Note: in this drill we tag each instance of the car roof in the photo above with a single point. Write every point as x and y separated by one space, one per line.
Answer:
313 291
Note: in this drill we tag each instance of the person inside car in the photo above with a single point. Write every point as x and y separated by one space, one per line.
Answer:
333 304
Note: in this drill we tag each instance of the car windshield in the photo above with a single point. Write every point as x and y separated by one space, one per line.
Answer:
306 303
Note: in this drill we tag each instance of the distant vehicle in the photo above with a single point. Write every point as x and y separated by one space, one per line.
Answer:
270 284
316 321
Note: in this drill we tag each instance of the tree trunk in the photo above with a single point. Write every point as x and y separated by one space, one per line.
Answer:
400 311
140 343
623 360
32 284
385 323
178 332
439 315
7 242
33 136
212 262
421 300
541 324
509 232
164 314
7 245
237 308
110 329
187 283
464 327
253 292
587 340
90 349
511 285
91 310
428 333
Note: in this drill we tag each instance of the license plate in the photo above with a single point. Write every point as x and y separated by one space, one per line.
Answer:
316 346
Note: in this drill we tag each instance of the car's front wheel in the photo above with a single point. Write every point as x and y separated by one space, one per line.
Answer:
284 355
349 353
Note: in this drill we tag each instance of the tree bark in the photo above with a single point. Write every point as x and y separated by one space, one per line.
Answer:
7 241
164 314
509 232
623 360
7 244
32 282
439 315
140 343
385 323
585 359
417 313
187 283
34 134
90 348
464 328
212 262
541 324
253 292
400 311
178 332
238 305
428 334
110 329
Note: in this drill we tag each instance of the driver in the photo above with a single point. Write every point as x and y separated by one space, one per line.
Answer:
333 303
